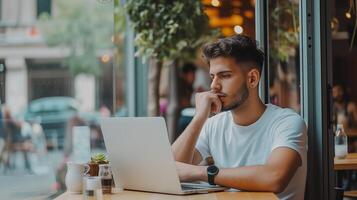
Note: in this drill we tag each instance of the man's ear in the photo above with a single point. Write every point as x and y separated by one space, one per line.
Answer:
253 78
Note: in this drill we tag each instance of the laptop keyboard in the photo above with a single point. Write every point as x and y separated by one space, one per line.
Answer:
190 188
193 186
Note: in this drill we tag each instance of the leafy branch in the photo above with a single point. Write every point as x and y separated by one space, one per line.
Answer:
168 29
284 30
83 27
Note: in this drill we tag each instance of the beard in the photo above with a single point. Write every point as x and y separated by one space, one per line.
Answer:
238 101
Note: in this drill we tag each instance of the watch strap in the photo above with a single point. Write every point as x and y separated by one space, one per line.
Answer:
211 179
211 175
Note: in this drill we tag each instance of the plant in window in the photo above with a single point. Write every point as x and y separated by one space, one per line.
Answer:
167 30
284 34
283 53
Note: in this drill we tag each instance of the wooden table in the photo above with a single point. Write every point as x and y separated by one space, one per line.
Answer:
348 163
133 195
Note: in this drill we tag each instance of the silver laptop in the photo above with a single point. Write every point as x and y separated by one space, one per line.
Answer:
141 157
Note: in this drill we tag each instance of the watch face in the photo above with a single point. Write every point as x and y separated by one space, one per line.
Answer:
212 170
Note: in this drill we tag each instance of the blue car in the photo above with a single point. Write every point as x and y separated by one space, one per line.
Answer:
53 113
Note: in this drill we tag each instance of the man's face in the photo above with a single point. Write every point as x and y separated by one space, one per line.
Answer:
228 82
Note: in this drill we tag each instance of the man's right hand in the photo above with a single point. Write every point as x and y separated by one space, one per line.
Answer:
184 147
207 103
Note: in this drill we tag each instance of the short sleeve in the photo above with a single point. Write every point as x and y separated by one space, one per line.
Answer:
291 132
202 144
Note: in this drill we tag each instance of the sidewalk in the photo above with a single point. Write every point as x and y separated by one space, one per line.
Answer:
19 183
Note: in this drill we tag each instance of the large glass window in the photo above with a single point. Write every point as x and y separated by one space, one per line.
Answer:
283 53
63 73
344 49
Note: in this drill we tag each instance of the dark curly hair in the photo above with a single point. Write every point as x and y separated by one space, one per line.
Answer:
240 47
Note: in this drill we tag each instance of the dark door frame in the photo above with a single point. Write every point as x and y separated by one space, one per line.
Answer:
316 73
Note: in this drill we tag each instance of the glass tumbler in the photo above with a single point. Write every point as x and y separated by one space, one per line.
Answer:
92 188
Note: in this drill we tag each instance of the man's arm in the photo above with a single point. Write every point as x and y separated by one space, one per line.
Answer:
184 147
273 176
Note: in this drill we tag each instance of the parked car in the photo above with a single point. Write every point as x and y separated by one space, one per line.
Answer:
52 113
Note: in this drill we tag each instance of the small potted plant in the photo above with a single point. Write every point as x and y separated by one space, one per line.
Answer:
95 161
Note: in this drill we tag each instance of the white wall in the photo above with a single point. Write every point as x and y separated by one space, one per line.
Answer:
16 84
19 11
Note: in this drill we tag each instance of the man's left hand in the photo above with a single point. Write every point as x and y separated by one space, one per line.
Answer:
190 173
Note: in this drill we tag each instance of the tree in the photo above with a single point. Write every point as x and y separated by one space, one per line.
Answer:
83 27
167 30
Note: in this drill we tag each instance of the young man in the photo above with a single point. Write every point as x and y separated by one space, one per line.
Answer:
255 147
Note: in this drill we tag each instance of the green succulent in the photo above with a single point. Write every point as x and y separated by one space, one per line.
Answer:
99 158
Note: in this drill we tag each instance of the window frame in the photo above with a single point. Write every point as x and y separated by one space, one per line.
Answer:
316 84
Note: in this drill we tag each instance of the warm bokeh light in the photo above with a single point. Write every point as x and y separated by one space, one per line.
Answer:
216 21
105 58
227 31
238 29
224 15
348 15
249 14
215 3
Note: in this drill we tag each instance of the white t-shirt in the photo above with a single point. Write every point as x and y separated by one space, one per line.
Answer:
233 146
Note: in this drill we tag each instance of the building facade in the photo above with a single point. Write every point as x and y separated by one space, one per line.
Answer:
29 68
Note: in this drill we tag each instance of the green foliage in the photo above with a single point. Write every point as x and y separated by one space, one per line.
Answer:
119 18
284 30
168 29
82 26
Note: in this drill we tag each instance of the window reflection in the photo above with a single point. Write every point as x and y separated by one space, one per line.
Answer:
284 70
59 65
344 92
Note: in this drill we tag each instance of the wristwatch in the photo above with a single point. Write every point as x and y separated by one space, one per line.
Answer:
212 171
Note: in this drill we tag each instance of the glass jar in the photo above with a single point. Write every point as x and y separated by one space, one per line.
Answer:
106 177
340 142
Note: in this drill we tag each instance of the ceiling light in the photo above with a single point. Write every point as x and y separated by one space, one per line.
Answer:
215 3
238 29
348 15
